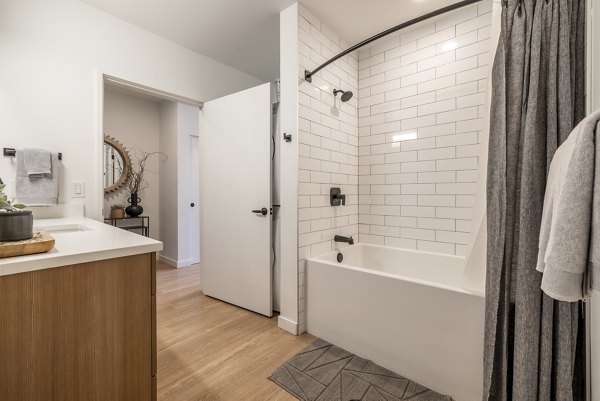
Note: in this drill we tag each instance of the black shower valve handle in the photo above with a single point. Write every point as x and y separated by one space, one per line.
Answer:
336 198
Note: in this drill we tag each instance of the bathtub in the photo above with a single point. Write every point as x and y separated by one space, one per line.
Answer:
416 313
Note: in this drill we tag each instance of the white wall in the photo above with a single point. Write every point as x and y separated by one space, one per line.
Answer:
188 123
177 122
52 52
276 200
168 199
288 318
422 113
328 145
134 121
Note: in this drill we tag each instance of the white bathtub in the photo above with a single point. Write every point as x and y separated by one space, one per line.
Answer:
415 313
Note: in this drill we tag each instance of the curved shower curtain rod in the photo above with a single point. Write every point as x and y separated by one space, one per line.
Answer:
308 74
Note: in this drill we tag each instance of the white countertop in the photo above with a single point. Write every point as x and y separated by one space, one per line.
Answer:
80 240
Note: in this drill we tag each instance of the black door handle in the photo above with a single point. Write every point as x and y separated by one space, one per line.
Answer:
262 211
192 204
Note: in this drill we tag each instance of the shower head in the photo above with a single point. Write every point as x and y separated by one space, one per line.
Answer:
346 95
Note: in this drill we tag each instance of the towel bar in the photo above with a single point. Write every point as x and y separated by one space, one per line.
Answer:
12 152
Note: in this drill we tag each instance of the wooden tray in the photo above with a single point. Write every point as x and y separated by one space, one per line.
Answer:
40 243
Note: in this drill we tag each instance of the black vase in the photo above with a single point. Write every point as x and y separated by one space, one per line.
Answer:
134 210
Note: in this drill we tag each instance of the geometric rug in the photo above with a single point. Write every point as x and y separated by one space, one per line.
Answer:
324 372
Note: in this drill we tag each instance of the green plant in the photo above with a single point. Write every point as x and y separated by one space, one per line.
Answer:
117 206
5 204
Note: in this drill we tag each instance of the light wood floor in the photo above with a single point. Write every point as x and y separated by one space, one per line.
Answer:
210 350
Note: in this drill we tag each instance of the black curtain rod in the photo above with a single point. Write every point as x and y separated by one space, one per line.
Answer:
308 74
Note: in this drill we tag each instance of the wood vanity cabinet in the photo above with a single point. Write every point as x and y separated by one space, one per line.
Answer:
84 332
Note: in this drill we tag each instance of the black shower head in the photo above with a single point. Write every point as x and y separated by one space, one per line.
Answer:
346 95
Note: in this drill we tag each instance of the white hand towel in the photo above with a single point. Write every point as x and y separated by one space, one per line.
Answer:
38 162
569 247
37 191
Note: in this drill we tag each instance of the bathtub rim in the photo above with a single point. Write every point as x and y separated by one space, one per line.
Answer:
462 290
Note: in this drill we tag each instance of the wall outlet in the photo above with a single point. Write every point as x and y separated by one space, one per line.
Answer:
78 189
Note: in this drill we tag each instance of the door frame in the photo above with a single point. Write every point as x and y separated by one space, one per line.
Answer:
102 78
196 209
288 213
288 318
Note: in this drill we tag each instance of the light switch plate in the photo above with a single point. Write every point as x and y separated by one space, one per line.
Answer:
78 189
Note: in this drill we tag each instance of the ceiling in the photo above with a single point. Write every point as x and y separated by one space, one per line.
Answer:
241 33
245 33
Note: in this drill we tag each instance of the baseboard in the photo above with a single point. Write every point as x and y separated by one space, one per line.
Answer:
287 325
184 263
173 262
167 260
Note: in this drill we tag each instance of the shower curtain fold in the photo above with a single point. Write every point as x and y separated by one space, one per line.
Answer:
532 343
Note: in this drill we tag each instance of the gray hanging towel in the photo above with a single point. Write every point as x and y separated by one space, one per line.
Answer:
38 162
40 190
569 245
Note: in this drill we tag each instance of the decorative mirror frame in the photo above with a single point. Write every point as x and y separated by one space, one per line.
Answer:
126 164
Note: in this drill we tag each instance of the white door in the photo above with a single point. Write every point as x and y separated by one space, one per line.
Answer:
235 199
195 197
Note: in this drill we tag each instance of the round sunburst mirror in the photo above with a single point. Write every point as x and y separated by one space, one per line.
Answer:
117 164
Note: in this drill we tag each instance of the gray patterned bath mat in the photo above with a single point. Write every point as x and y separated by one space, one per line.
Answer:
324 372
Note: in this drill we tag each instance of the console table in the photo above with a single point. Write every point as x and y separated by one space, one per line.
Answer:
133 223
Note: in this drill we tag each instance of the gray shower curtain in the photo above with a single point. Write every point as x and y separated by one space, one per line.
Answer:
533 344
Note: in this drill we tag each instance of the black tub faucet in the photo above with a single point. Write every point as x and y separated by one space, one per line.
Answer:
341 238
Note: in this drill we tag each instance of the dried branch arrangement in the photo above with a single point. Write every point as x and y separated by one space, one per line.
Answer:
136 182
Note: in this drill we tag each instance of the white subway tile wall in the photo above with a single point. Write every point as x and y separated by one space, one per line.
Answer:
328 145
405 148
421 107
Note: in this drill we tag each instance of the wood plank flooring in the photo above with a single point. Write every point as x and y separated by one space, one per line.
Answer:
209 350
